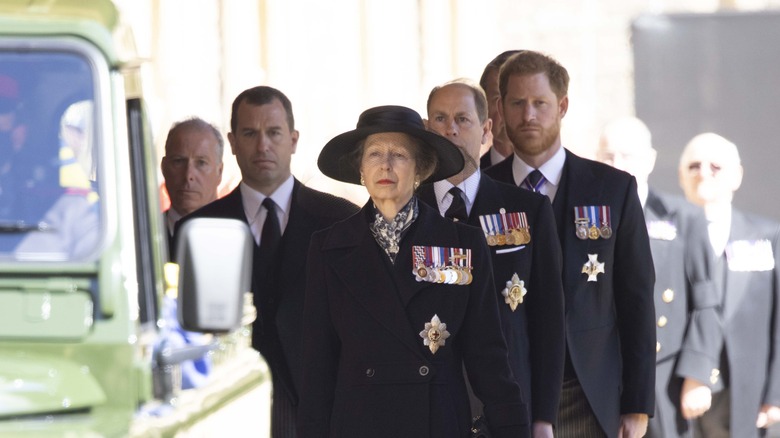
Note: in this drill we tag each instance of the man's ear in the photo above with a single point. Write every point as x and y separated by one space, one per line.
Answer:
487 131
563 106
294 136
232 141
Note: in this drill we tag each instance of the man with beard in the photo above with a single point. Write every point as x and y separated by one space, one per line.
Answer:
608 274
747 278
527 272
500 147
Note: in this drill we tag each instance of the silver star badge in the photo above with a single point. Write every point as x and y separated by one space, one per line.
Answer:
593 267
514 292
434 334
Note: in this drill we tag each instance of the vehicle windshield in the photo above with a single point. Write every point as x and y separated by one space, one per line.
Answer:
49 193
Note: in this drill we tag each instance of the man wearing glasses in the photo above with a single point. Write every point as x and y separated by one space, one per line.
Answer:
747 278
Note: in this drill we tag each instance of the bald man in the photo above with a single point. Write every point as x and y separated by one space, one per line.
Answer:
747 276
688 330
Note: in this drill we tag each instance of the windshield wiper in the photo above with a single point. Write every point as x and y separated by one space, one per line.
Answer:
23 227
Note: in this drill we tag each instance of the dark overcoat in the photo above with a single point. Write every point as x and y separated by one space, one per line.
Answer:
279 288
367 371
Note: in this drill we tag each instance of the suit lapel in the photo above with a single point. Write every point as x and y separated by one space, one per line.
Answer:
502 171
351 248
655 210
486 201
581 188
424 232
234 206
736 282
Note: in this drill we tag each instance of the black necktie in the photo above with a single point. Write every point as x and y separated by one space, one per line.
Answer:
457 210
534 181
271 235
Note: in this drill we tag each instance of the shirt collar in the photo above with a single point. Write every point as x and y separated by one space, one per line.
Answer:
643 190
253 200
495 157
552 170
172 217
469 186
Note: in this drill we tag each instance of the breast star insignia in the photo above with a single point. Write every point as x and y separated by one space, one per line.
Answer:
593 267
435 334
514 292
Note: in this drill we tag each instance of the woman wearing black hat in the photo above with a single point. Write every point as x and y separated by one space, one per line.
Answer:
399 299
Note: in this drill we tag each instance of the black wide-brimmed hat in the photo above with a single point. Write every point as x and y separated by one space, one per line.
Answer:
336 158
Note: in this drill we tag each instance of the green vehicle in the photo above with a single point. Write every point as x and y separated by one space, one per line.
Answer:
99 335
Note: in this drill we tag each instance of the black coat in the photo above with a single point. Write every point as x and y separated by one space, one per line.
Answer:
367 372
751 318
689 334
535 330
279 289
484 161
610 322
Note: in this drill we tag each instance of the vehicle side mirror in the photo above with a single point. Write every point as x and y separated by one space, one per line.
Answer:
215 270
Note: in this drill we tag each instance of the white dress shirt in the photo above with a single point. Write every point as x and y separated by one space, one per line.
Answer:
469 187
256 213
552 171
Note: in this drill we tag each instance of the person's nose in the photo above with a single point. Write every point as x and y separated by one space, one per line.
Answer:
451 128
263 143
529 113
190 170
386 162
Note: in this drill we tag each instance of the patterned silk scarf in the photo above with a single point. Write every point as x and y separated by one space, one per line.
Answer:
388 234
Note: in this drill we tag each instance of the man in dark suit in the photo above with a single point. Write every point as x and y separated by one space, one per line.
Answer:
747 275
269 199
500 147
532 321
607 266
688 332
192 167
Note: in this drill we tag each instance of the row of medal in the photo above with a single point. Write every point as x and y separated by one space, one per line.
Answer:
593 222
504 228
437 264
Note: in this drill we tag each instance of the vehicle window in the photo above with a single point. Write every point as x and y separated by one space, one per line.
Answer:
49 190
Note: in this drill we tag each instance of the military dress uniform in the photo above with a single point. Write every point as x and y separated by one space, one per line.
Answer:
747 274
688 330
527 274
